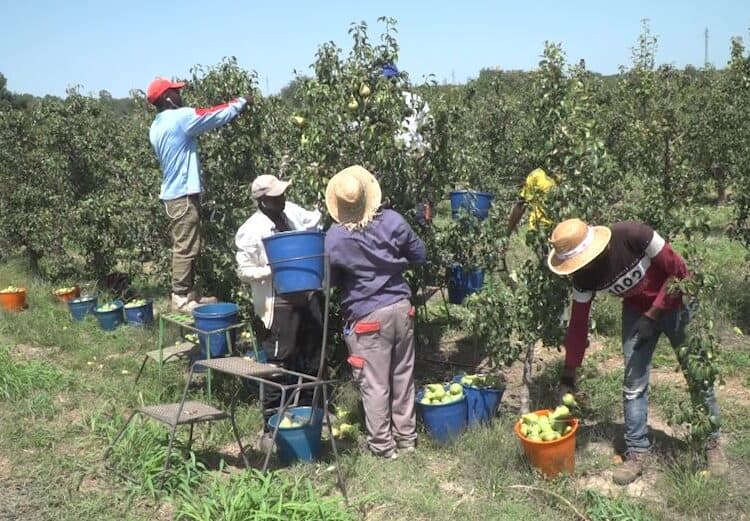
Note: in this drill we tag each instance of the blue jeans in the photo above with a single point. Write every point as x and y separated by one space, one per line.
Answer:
638 373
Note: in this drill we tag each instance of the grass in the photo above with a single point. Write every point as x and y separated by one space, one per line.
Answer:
693 494
66 388
603 508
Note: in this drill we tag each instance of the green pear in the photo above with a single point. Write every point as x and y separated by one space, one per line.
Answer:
569 400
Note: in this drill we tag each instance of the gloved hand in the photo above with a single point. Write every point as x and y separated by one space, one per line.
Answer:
643 330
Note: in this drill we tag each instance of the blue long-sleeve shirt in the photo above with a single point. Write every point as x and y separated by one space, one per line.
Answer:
368 264
173 135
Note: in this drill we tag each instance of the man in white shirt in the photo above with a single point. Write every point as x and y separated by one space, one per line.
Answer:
293 321
410 135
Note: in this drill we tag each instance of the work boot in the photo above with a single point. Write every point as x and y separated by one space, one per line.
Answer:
716 460
266 441
406 447
631 469
196 297
183 304
388 455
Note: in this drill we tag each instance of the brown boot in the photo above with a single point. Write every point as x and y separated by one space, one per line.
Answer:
631 469
199 299
716 460
183 304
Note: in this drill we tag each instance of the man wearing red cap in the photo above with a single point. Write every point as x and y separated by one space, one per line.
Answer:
173 135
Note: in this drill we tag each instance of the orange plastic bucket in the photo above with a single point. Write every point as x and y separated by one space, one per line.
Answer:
69 295
550 457
13 301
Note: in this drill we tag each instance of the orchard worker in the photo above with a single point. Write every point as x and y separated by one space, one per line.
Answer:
410 136
631 261
173 135
293 322
533 194
369 249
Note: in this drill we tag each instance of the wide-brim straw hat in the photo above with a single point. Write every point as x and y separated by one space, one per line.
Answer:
353 196
575 244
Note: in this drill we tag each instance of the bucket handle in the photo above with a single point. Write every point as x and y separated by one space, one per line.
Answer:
304 257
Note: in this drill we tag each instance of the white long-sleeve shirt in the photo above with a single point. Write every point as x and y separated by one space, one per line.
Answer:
410 134
252 262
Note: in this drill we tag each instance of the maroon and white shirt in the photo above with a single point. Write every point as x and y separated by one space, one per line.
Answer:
637 266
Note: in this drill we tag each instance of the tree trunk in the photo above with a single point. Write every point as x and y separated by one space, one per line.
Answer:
720 177
34 257
666 179
527 369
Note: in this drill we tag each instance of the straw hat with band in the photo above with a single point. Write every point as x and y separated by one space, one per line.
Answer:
575 244
353 197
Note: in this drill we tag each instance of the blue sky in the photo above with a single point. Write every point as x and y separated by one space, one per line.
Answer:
48 45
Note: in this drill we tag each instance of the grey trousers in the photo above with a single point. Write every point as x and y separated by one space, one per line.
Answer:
184 219
382 343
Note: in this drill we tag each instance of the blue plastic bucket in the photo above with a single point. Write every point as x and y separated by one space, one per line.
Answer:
109 320
443 422
478 203
140 315
212 317
80 307
296 260
463 282
481 402
299 443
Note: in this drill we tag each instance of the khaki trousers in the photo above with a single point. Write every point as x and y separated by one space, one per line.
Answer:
381 347
184 219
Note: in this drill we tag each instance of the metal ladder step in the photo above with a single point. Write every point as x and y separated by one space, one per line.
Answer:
174 352
192 412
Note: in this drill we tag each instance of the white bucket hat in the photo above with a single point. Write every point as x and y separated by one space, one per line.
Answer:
268 185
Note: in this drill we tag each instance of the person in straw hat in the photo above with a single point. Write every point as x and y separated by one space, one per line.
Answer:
369 248
293 322
631 261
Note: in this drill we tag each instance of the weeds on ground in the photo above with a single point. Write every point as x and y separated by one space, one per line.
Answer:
254 496
692 493
603 508
19 378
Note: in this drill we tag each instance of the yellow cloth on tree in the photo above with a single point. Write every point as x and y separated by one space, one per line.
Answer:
537 184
